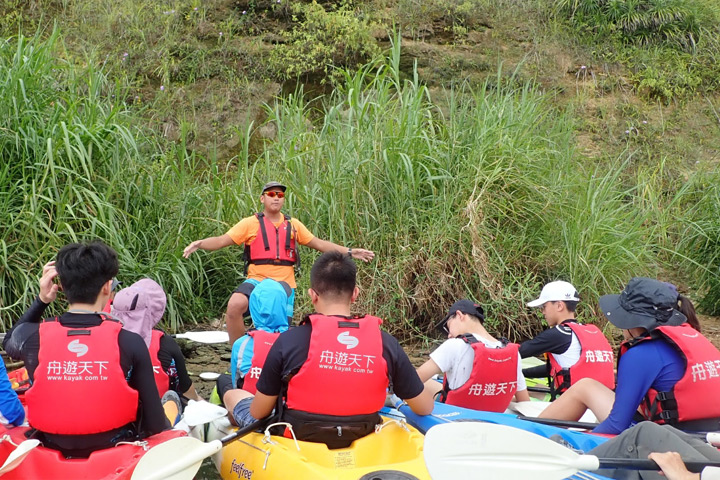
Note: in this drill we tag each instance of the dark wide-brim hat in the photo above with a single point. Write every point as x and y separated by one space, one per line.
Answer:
464 306
645 303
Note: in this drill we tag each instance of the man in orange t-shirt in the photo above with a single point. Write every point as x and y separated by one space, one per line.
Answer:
281 267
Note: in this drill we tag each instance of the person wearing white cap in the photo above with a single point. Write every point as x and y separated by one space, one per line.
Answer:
270 239
573 350
667 371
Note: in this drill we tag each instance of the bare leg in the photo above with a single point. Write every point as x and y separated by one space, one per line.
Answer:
237 306
586 393
232 397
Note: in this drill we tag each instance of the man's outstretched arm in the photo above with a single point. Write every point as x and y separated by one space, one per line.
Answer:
326 246
210 243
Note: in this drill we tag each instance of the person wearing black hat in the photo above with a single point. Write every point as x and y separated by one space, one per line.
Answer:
270 239
667 371
481 372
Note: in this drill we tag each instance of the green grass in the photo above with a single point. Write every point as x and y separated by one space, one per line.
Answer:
474 190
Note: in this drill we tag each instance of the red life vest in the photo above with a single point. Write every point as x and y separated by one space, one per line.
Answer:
266 248
162 379
493 379
345 372
695 395
79 386
262 341
596 359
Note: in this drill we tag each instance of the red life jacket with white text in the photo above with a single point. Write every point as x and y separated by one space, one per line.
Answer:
695 395
162 380
596 359
262 341
272 245
345 372
493 379
79 386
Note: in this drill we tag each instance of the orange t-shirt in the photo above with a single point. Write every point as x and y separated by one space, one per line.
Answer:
245 231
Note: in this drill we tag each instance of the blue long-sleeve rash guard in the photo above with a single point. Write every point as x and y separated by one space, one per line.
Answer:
11 410
650 364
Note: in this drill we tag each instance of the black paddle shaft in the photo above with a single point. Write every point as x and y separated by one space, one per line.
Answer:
245 430
640 464
589 426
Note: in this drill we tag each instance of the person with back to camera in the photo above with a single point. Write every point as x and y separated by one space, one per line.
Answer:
92 381
573 350
267 307
481 372
666 367
324 404
140 307
270 238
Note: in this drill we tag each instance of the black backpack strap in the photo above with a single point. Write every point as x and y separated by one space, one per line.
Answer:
260 216
468 338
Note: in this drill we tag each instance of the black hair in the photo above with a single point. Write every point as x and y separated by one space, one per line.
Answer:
333 275
570 306
686 307
84 268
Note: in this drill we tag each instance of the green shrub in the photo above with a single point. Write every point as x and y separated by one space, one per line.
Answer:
645 22
322 40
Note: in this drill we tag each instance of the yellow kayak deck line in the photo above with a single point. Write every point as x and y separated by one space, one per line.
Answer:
396 447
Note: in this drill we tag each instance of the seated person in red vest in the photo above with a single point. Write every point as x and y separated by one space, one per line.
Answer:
481 372
329 375
92 381
573 350
267 307
667 371
140 307
248 353
270 238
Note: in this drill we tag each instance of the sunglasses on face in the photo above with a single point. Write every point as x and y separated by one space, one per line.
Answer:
445 326
275 194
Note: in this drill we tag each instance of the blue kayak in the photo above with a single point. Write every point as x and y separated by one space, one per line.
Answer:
444 413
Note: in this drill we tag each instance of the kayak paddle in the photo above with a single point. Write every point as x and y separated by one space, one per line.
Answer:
18 455
180 458
205 337
498 452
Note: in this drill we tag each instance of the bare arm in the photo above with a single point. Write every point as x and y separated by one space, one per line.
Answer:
522 396
326 246
210 243
422 404
192 394
262 405
427 370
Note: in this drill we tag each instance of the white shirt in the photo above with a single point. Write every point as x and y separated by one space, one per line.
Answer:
572 354
455 358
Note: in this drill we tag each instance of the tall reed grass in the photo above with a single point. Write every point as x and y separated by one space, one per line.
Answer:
477 192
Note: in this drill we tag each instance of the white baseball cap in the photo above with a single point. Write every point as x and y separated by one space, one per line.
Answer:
555 292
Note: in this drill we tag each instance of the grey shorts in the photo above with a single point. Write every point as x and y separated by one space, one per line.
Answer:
241 413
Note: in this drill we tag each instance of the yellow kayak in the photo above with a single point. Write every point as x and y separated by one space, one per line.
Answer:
393 452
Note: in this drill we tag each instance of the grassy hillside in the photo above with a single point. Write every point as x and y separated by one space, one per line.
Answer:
480 148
